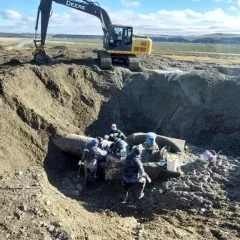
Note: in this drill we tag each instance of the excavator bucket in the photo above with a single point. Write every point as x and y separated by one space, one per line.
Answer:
40 55
43 58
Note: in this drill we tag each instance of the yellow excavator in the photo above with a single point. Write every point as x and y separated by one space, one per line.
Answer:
118 41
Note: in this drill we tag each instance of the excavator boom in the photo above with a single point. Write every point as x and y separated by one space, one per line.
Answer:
84 6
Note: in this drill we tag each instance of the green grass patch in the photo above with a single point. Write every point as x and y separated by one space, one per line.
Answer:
198 49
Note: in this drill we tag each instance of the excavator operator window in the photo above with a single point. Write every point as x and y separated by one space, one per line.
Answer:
117 35
128 36
121 38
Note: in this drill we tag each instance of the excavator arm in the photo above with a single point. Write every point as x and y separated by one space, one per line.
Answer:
45 10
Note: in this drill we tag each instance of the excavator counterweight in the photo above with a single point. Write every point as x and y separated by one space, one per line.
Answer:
118 40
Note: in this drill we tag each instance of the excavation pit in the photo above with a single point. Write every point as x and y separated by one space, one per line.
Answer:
197 104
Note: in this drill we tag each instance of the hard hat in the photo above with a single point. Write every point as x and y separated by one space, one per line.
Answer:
151 135
94 142
114 126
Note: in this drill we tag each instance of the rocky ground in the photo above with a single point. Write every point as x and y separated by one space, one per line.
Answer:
189 100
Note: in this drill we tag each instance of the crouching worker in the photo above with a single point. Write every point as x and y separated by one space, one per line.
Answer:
120 149
151 147
113 134
104 144
91 157
134 175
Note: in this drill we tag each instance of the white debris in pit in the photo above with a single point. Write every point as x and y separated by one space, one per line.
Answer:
170 71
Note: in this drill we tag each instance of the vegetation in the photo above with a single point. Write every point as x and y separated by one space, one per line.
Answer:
194 51
158 47
190 48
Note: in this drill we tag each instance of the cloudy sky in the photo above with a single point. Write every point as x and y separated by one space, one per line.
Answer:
174 17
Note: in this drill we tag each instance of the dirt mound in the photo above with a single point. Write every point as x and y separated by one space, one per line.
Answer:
32 209
201 188
176 99
190 105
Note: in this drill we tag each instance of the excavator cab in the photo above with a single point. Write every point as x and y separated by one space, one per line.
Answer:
120 45
120 39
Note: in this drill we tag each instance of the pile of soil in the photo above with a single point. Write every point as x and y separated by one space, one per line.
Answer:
201 188
193 101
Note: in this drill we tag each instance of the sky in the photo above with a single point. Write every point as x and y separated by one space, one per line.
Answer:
171 17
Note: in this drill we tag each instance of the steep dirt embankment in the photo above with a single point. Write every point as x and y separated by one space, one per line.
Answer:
34 101
198 106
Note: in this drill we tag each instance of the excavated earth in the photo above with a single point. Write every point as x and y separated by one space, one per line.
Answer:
194 101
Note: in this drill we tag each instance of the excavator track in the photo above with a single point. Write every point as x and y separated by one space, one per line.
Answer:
105 60
133 63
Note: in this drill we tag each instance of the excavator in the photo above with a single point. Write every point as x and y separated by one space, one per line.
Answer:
119 43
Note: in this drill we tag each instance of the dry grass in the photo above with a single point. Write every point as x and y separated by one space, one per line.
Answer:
9 41
178 51
222 60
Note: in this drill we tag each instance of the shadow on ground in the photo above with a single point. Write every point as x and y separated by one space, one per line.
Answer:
180 105
105 196
193 191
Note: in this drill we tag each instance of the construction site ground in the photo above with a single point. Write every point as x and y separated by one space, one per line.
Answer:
191 100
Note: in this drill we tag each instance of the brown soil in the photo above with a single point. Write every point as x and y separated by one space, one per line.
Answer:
189 100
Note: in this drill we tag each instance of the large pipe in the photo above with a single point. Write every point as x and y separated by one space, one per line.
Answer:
71 143
175 145
75 144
